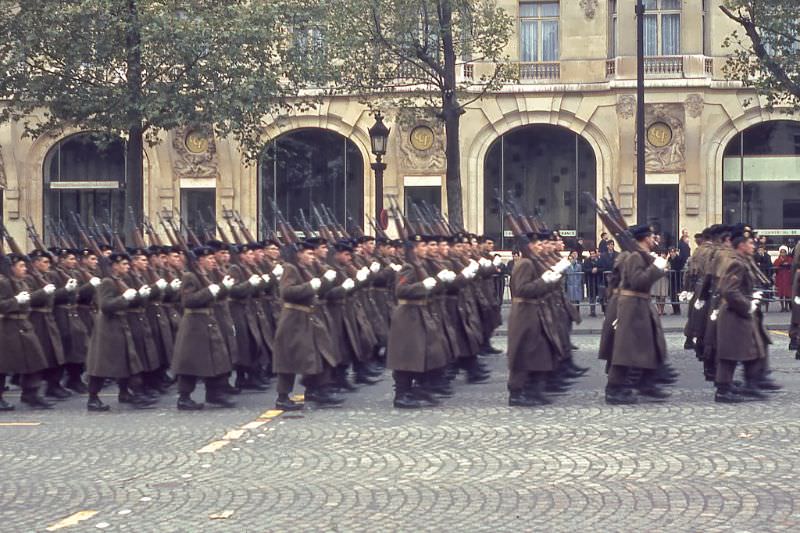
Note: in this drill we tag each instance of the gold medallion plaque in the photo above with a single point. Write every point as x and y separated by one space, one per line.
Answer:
422 137
196 142
659 134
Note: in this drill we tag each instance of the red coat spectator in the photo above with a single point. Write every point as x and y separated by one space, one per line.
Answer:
783 276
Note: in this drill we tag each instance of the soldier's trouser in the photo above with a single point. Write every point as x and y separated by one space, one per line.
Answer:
726 369
517 379
28 383
187 384
618 376
53 375
285 384
95 385
403 380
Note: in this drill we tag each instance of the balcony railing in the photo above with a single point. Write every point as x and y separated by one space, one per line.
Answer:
663 66
611 68
709 66
539 71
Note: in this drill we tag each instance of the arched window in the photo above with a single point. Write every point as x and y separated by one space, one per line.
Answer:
761 177
307 167
544 169
85 174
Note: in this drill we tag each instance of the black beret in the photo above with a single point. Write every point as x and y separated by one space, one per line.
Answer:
118 257
641 231
202 251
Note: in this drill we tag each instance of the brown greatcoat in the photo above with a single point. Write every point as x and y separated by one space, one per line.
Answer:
44 323
140 326
74 335
415 344
87 308
112 352
700 267
249 340
533 345
301 341
606 349
741 335
333 300
200 349
639 339
222 312
21 352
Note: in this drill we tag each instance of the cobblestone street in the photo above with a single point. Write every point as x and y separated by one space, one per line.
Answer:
472 464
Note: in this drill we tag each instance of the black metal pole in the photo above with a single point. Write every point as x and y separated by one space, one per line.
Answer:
641 188
378 166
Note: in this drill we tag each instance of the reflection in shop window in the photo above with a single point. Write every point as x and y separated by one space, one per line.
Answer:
761 176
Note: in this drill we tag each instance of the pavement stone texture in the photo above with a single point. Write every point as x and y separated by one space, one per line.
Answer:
472 464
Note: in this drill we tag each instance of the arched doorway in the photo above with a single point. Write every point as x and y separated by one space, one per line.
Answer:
85 174
761 178
544 169
307 167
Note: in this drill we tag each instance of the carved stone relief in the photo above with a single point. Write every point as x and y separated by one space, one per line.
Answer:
626 106
589 8
669 156
421 141
694 105
2 170
195 153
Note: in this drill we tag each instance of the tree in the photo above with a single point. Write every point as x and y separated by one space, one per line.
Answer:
765 56
134 68
412 52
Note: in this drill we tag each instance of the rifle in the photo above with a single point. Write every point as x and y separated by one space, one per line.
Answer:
332 222
223 237
192 236
617 228
151 232
324 230
243 228
227 214
207 236
33 235
138 241
305 226
376 228
91 244
423 224
180 242
404 226
355 229
15 249
287 235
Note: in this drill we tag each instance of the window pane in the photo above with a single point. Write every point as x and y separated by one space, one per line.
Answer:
671 35
527 10
671 4
612 6
650 5
549 9
529 35
650 35
550 40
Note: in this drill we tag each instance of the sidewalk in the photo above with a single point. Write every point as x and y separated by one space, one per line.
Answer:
774 320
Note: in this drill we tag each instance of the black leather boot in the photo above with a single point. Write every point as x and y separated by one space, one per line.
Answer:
5 406
35 401
95 405
185 403
616 395
284 403
404 400
725 394
519 399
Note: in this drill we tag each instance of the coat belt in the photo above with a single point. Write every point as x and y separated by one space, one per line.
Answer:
297 307
15 316
41 309
524 301
634 294
197 311
412 302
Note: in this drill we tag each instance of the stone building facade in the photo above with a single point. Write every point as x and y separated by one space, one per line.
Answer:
713 152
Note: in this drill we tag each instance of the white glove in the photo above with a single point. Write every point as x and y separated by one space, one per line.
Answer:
715 313
561 266
551 276
797 300
49 288
699 304
468 273
689 296
429 283
315 283
485 263
753 306
329 275
228 281
661 263
497 261
473 264
95 281
161 284
254 280
71 284
266 278
23 297
348 284
277 271
144 291
362 274
129 295
683 296
396 267
175 284
213 289
444 276
758 295
375 267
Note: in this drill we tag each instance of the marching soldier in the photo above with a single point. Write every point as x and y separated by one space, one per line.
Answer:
74 335
638 338
21 353
200 351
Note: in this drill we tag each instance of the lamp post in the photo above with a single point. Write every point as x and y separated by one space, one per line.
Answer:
378 137
641 184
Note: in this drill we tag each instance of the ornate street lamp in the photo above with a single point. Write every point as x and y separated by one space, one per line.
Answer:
379 137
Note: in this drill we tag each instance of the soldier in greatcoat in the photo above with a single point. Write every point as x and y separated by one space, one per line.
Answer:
200 351
21 352
70 281
415 345
112 350
639 338
301 340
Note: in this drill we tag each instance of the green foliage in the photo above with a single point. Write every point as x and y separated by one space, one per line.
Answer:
764 52
114 65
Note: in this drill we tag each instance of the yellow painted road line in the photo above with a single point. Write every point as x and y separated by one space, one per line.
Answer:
254 425
72 520
271 413
234 434
779 332
19 424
